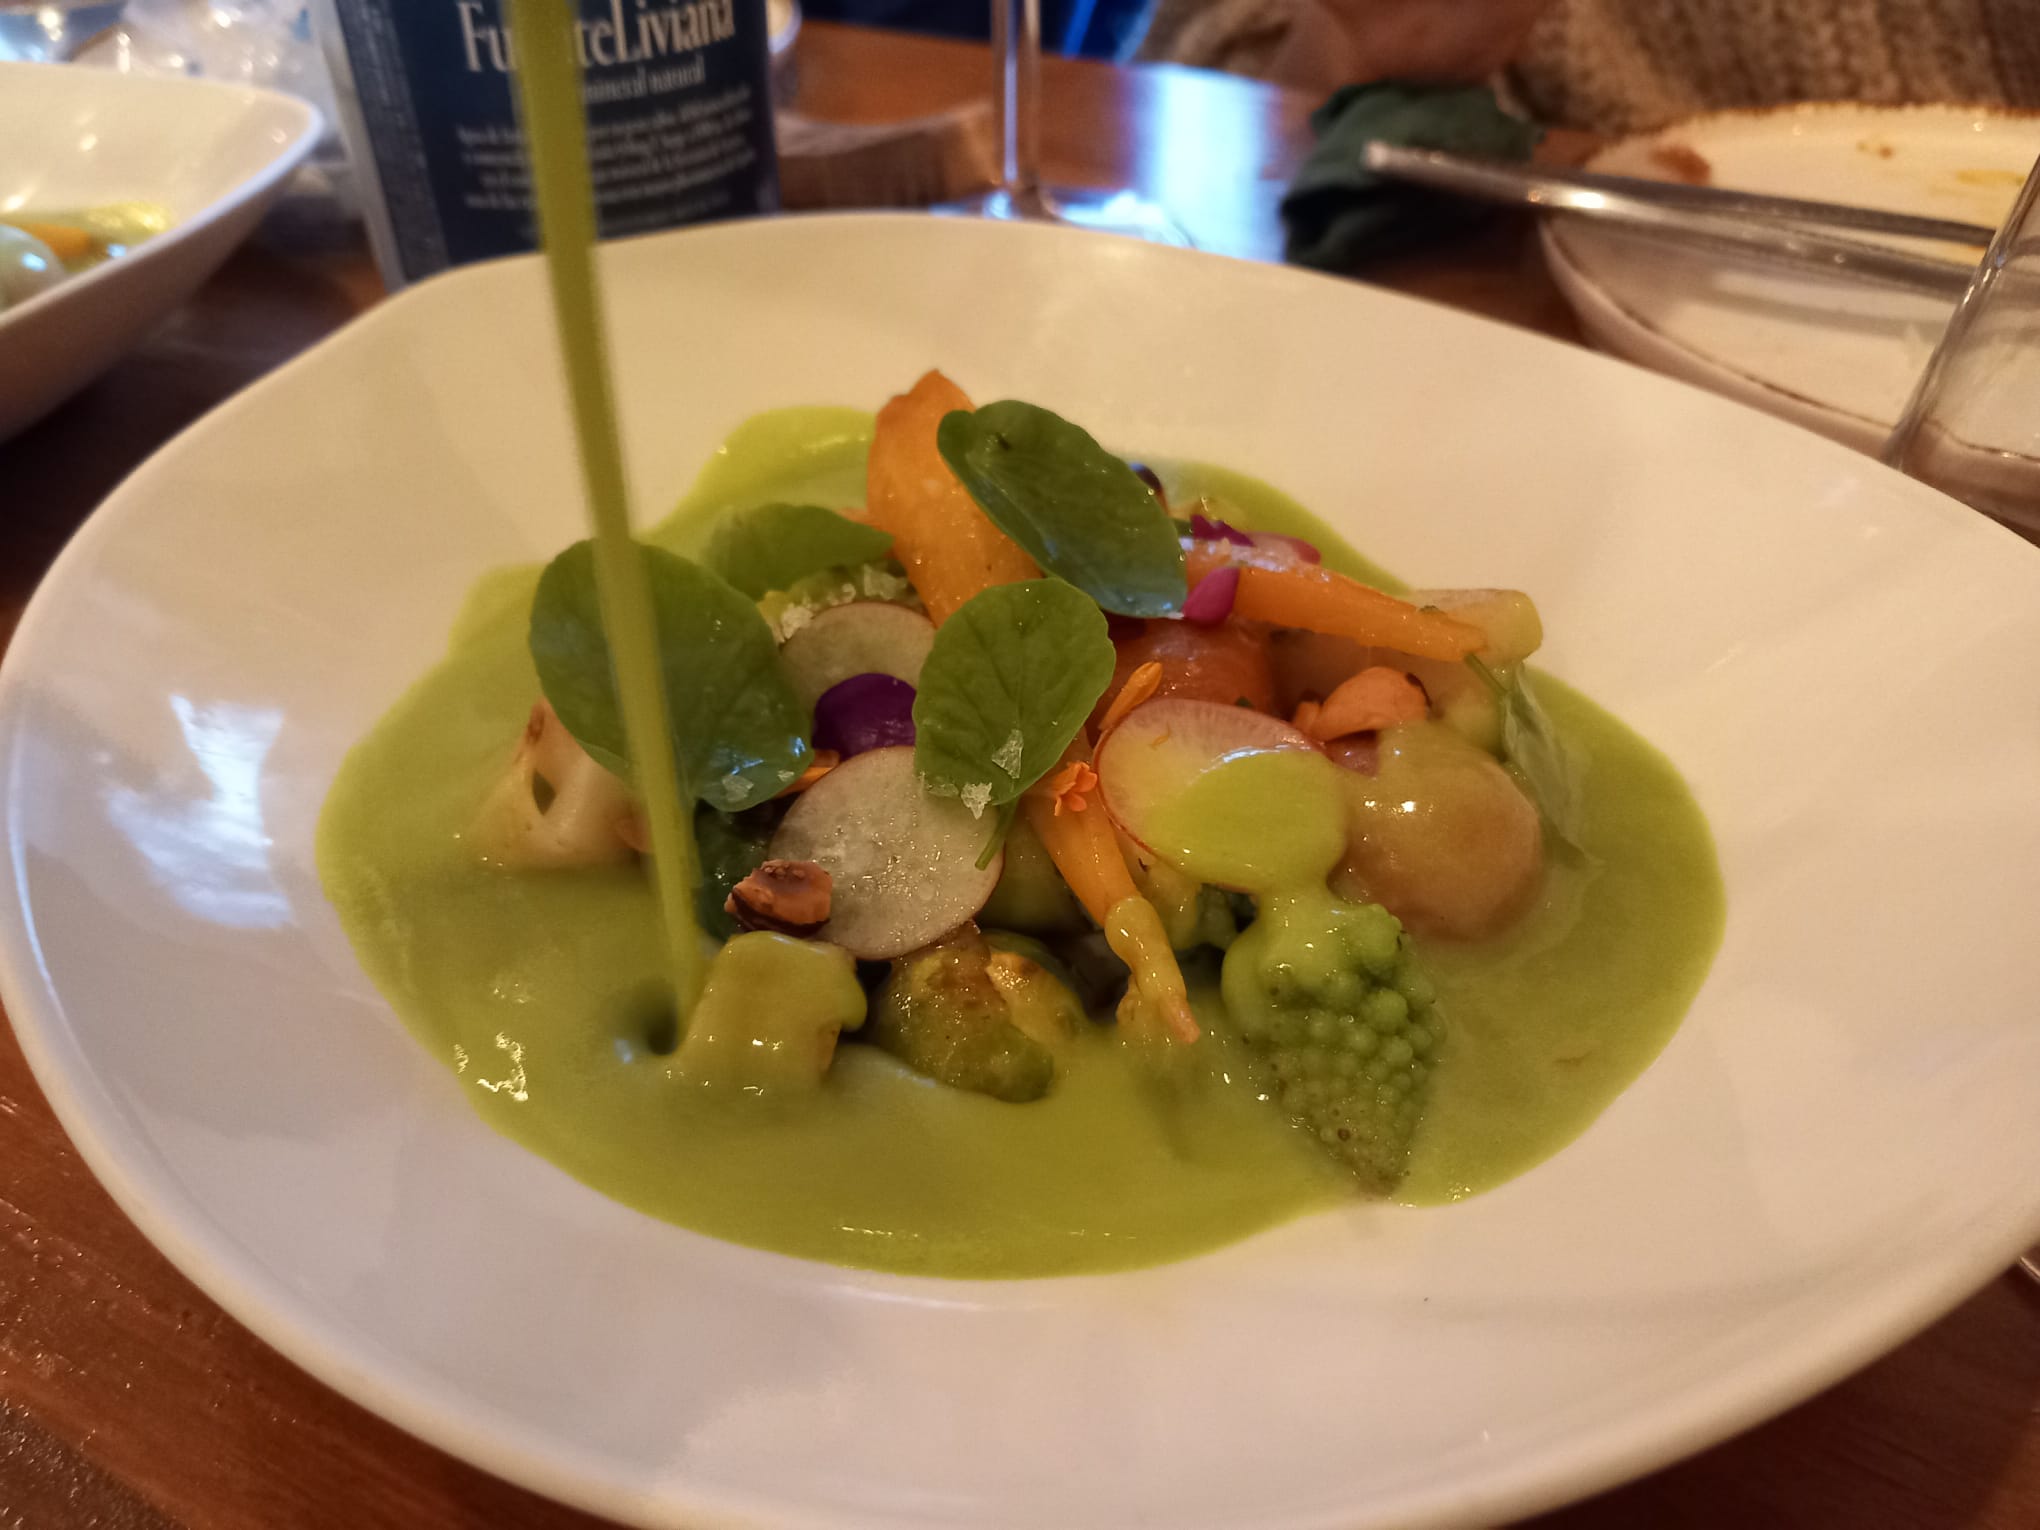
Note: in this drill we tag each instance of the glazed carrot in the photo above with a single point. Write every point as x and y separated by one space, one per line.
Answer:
1085 849
950 549
1379 697
1317 599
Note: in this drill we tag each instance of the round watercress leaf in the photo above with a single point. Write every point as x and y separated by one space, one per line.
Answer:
1013 675
1079 511
770 547
739 731
1545 766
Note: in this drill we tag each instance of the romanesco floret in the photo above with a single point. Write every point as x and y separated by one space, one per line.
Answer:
1328 996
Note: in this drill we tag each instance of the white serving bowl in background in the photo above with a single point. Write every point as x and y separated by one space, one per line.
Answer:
213 156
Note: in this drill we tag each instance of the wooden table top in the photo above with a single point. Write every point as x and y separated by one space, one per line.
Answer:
129 1401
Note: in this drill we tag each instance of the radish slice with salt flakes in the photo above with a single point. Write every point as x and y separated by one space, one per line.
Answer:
865 637
903 861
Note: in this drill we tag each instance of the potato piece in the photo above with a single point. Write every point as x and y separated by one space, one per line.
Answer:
949 547
1441 836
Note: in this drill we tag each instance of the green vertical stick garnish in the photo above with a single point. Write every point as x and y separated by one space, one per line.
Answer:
555 134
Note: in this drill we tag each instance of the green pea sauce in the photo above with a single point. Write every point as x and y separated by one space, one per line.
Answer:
1219 828
543 992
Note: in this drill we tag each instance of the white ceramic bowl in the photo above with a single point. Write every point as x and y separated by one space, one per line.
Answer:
1842 1142
212 156
1835 356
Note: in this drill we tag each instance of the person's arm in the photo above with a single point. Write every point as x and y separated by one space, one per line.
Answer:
1322 44
1443 40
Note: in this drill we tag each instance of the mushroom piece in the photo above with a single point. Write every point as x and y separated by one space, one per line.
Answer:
554 806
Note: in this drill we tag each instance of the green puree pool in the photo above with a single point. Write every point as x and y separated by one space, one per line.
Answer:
537 990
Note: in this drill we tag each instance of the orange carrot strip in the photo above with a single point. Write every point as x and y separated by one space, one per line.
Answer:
1085 849
825 760
1378 697
949 547
1317 599
1140 685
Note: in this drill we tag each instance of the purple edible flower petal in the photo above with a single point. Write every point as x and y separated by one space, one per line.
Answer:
1205 529
870 711
1212 601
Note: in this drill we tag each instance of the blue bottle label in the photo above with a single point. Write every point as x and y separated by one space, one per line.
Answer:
679 119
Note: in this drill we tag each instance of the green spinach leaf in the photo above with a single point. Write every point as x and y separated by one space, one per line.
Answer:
772 546
730 850
739 731
1079 511
1013 675
1547 768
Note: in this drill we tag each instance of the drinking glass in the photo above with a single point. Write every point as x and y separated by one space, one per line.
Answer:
1016 99
1972 426
52 31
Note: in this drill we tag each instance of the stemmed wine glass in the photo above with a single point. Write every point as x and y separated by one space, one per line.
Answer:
1972 426
1016 98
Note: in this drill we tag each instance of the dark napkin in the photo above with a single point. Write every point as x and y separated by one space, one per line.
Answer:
1339 212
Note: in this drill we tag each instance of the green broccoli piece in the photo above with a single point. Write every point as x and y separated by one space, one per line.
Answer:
1329 998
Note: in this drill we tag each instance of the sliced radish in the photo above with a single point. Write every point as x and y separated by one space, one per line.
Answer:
1154 754
867 637
904 862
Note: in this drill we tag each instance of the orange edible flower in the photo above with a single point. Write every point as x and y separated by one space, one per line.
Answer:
1071 786
1379 697
1140 685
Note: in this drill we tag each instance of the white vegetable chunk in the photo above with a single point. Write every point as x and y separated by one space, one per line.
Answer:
554 806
